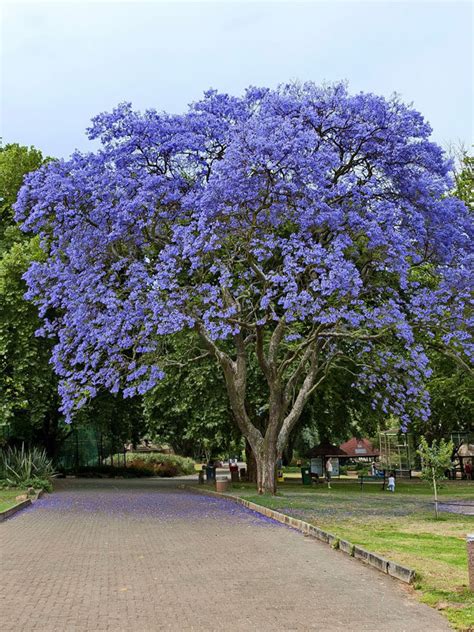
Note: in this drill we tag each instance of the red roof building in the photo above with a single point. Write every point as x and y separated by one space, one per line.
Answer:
325 450
359 448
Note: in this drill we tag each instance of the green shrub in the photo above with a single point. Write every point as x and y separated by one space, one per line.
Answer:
183 465
39 483
18 465
166 469
141 464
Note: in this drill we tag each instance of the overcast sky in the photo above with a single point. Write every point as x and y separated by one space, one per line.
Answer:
62 63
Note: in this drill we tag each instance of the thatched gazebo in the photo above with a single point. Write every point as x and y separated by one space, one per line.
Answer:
323 451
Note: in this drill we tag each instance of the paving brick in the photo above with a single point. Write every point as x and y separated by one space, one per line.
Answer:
144 556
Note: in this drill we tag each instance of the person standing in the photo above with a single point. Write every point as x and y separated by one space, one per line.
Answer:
328 472
391 482
468 471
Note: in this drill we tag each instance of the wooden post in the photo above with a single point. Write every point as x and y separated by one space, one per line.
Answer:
435 491
470 559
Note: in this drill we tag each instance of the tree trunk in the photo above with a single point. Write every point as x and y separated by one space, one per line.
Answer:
266 469
285 406
251 463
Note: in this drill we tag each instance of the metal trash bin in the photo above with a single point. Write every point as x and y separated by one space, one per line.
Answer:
306 476
234 472
210 473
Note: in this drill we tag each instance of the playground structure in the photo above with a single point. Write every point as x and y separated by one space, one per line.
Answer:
397 452
463 454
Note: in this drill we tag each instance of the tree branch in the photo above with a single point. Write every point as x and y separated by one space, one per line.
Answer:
262 360
275 343
235 379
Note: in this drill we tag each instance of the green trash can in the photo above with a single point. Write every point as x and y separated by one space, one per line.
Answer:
306 476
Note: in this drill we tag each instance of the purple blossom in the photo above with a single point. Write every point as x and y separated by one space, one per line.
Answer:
303 203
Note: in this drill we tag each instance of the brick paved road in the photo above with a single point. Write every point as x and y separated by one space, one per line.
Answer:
141 556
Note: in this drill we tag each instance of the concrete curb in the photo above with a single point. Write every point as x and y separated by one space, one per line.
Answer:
15 509
402 573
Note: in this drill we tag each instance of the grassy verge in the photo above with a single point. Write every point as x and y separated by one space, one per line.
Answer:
399 526
8 497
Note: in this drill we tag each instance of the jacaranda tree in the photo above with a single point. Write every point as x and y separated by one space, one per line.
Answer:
295 226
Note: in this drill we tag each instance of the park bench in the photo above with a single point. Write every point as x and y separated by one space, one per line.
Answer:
363 478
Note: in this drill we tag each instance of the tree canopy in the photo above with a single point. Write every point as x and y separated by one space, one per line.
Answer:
28 387
296 226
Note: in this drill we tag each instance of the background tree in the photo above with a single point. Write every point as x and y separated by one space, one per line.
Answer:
435 459
451 383
29 402
189 408
451 389
465 181
15 162
287 226
336 411
119 420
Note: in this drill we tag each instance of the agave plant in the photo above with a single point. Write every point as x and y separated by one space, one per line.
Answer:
20 464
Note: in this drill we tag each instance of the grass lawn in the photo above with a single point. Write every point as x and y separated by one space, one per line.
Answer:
8 496
399 526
